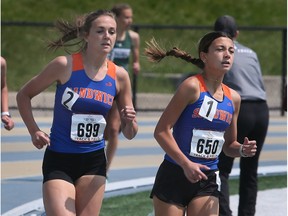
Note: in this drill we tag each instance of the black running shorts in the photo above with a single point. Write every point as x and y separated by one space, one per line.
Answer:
172 186
70 166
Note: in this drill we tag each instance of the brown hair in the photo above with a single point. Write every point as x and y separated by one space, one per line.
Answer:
155 53
76 30
118 8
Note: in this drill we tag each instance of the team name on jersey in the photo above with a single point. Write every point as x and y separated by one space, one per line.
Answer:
220 114
94 94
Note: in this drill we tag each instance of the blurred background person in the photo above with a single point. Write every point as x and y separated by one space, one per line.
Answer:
5 115
127 44
245 77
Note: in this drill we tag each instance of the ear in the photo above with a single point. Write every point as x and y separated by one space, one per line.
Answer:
203 56
237 34
85 36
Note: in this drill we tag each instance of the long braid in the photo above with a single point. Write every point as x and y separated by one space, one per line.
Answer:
155 53
176 52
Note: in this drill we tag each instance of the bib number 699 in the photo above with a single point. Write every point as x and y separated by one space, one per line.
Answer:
87 130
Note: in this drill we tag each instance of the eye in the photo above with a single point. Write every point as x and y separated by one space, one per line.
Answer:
112 31
99 30
220 49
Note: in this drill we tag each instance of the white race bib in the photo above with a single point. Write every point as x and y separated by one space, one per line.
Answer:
69 97
206 144
120 53
208 108
87 128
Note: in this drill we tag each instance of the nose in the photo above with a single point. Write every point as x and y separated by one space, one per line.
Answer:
106 34
227 54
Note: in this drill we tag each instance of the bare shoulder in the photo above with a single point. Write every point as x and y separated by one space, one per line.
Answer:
60 68
60 64
134 35
191 83
62 60
3 68
122 79
235 95
190 89
235 98
121 73
3 61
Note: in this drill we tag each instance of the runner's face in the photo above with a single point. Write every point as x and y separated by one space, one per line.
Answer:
220 55
102 35
125 19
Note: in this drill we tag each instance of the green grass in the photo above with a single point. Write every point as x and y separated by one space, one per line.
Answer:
25 47
139 204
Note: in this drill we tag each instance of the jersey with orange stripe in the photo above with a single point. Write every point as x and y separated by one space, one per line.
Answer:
80 108
199 131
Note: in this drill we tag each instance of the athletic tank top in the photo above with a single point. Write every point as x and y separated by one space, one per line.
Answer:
199 131
121 52
81 105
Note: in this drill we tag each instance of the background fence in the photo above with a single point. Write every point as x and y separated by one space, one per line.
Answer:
281 37
160 79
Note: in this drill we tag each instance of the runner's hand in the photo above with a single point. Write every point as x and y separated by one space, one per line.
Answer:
40 139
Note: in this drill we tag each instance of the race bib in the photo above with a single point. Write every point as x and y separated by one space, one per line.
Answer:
69 97
208 108
206 144
87 128
120 53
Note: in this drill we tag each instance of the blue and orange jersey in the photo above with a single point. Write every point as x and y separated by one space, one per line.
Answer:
79 104
199 131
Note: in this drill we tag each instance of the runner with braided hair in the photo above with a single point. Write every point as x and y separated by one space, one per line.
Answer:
199 121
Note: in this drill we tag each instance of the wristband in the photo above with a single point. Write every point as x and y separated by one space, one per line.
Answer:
6 114
241 152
